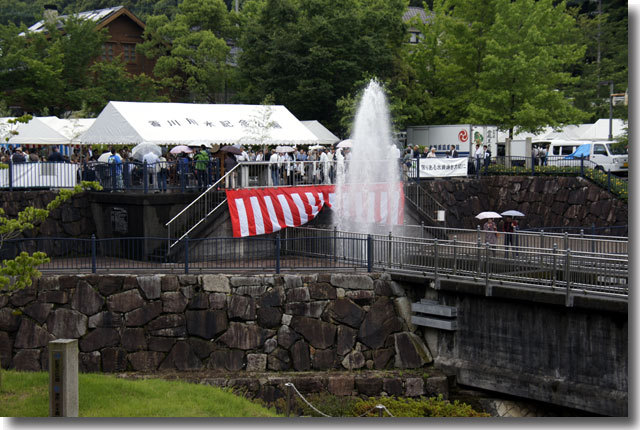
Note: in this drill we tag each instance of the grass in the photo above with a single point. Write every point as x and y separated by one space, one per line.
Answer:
26 394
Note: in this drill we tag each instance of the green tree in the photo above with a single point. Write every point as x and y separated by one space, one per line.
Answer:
529 51
497 62
446 63
606 32
57 72
191 50
310 53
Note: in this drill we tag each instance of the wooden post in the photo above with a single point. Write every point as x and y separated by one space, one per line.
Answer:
63 378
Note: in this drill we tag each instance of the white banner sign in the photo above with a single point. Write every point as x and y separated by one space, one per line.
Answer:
441 167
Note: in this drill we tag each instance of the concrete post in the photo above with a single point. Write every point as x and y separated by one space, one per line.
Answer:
507 153
63 378
528 146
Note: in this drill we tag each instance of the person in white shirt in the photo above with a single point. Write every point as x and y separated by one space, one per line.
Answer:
274 164
152 179
324 163
479 156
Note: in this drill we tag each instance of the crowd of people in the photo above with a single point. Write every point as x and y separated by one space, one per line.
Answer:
202 168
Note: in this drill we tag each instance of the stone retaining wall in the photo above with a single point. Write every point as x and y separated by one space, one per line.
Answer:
546 201
270 387
71 219
231 323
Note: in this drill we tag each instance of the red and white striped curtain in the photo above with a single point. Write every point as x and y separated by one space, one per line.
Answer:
266 210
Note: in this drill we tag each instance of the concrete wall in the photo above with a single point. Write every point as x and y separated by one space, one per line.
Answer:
530 345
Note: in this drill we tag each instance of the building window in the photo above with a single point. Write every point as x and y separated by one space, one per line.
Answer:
129 50
107 51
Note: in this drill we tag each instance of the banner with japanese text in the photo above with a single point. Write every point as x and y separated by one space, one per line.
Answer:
441 167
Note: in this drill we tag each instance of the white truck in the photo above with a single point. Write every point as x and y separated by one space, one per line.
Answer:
463 136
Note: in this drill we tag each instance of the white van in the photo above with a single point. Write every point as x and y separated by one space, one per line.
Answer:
600 153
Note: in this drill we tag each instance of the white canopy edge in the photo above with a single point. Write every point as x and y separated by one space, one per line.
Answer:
46 130
325 137
186 123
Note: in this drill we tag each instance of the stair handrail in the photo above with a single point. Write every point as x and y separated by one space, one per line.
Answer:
424 207
202 200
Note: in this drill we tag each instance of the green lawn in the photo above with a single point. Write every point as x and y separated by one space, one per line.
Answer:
25 394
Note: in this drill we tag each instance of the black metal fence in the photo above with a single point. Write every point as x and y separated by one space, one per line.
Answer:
538 268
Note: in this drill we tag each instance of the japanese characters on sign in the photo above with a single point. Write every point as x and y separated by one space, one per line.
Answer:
190 122
442 167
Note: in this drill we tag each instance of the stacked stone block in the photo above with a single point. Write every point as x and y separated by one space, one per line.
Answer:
260 323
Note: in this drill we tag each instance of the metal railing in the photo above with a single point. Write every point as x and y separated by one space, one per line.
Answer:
580 242
426 204
197 212
563 271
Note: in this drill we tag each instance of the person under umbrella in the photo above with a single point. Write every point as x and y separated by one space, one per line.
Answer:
151 159
491 234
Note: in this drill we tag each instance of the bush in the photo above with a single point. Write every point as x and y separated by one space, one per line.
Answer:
421 407
336 406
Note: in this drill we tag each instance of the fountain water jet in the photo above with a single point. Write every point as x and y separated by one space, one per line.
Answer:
369 191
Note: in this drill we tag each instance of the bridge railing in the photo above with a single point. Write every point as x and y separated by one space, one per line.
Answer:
590 243
479 263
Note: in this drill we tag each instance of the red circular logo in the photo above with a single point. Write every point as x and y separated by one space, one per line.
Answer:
463 136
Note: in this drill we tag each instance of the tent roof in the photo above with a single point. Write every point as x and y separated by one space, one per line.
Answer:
45 130
325 137
186 123
596 131
38 131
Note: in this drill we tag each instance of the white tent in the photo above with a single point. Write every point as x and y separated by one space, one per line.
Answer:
35 132
185 123
596 131
45 130
600 130
325 137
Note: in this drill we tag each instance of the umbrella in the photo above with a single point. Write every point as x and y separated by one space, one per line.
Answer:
512 213
347 143
142 149
180 149
316 147
485 215
231 149
104 157
285 149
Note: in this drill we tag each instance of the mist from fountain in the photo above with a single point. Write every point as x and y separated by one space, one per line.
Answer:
372 166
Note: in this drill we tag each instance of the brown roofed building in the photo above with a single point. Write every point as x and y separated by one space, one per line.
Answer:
123 28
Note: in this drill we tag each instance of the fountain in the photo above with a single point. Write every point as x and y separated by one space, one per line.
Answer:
369 196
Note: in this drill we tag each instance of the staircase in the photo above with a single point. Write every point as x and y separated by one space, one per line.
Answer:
197 212
425 204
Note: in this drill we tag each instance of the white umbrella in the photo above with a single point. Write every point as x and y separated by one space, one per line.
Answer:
489 214
347 143
104 157
142 149
180 149
316 147
512 213
285 149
